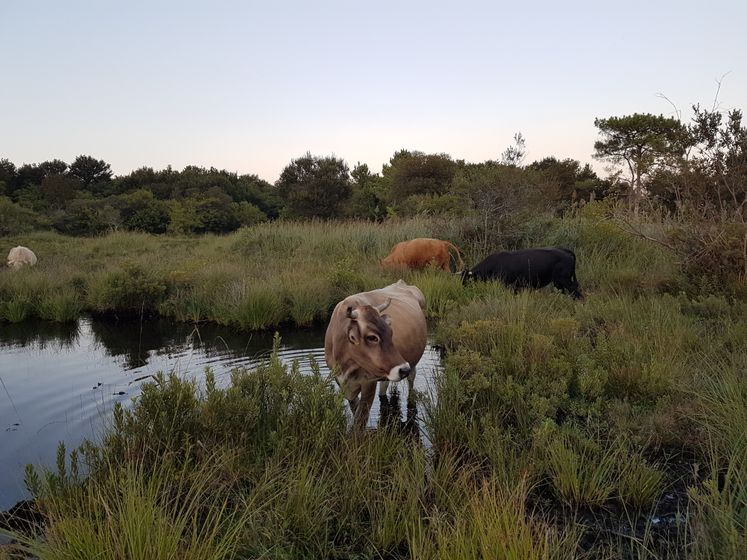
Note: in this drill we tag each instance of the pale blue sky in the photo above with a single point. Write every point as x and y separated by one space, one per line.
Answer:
247 86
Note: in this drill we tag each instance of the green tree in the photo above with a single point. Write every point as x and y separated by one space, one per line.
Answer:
415 173
183 217
53 167
248 214
141 211
497 194
720 201
567 180
160 183
256 191
514 155
87 217
31 175
28 175
58 189
7 176
90 171
721 144
312 186
366 200
216 211
15 219
31 196
643 143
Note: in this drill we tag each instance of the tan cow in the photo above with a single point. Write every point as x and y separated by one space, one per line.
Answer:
21 256
421 252
365 345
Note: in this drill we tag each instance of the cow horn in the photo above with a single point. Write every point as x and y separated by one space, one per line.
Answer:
383 306
352 313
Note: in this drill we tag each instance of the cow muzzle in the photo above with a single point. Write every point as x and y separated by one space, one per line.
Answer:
399 372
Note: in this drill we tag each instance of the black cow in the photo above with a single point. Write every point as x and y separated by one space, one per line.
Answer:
530 268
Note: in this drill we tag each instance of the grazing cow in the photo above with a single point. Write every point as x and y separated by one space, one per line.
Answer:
530 268
419 253
365 345
21 256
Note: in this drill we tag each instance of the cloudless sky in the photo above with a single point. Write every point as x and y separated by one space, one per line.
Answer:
248 86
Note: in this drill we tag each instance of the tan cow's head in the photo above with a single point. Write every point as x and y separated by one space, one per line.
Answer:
370 345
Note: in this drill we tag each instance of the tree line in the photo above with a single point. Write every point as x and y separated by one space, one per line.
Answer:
84 198
696 170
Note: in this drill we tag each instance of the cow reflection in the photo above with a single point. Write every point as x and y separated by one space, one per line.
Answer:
390 415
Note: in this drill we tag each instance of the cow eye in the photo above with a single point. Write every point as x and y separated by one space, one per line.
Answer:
372 338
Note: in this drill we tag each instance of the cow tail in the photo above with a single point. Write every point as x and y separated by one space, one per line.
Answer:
459 256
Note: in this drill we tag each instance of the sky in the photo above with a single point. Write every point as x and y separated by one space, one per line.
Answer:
249 86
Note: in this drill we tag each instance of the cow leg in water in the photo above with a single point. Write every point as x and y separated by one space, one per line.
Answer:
368 392
383 386
354 404
410 385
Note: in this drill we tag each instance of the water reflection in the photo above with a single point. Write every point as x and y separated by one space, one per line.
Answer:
60 381
392 417
134 343
39 333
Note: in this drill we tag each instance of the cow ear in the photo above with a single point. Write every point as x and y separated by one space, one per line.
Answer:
354 334
387 319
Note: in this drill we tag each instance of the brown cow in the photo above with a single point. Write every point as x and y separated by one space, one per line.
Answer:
364 345
419 253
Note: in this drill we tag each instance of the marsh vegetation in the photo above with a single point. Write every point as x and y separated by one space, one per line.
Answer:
612 427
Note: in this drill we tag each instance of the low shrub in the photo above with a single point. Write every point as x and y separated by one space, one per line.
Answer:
131 289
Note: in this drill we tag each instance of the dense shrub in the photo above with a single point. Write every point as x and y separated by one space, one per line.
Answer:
16 220
131 289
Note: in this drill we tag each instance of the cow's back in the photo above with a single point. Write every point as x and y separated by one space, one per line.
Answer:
419 253
525 265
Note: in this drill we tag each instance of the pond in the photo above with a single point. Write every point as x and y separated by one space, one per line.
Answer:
60 382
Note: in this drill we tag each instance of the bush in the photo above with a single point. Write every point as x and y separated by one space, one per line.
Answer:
131 289
17 220
142 212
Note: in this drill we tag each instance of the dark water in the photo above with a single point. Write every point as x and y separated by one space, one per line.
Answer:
59 382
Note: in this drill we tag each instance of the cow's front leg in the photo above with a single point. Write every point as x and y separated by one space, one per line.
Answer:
410 386
368 392
383 386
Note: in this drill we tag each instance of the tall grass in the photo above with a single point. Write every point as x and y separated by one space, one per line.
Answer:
133 513
306 266
255 278
581 473
493 524
720 523
550 414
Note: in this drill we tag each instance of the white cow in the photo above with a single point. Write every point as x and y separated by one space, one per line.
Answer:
21 256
